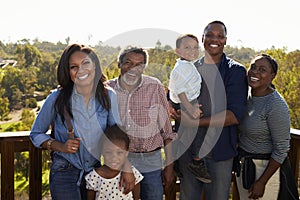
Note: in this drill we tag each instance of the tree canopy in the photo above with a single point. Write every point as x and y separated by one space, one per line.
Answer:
37 62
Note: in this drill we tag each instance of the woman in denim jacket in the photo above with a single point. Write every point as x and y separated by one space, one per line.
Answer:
79 110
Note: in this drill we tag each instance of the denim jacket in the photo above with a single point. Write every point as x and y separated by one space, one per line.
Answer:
83 159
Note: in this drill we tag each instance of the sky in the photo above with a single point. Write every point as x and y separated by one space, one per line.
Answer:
257 24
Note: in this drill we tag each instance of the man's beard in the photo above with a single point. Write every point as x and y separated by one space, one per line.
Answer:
128 80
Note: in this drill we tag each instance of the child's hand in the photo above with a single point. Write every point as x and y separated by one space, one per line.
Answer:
195 111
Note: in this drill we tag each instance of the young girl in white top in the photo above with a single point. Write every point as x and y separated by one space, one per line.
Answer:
103 182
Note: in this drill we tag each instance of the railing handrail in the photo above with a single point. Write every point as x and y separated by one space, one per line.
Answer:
17 133
27 133
295 131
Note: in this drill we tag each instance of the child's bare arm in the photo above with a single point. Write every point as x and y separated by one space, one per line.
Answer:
192 110
91 194
136 192
184 100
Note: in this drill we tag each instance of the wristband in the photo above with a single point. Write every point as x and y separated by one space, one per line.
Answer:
49 143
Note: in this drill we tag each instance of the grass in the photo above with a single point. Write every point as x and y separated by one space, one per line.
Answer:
6 125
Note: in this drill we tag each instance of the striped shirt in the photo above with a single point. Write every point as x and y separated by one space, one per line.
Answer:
266 126
144 113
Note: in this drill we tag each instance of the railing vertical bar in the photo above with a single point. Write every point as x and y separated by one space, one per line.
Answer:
35 173
7 169
294 156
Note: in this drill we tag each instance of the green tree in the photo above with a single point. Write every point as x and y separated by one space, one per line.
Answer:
27 118
46 72
67 40
28 82
16 97
160 64
28 55
287 81
11 82
242 55
4 105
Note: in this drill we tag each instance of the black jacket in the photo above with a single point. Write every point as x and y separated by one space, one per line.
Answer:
288 188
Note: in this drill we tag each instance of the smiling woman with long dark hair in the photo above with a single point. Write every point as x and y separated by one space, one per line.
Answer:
79 111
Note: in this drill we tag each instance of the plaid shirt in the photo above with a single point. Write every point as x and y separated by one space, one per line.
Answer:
144 113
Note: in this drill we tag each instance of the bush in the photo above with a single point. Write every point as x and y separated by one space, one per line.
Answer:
14 127
27 119
31 103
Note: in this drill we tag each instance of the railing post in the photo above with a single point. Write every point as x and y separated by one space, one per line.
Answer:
7 169
294 154
35 173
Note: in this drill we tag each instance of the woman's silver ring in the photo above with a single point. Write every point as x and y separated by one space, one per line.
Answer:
73 148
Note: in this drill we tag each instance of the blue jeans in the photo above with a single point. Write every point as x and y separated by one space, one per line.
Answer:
150 166
220 171
63 181
151 186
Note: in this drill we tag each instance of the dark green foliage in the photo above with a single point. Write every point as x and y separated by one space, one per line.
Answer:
4 105
22 174
287 81
242 55
32 103
37 62
27 119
